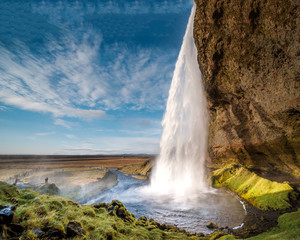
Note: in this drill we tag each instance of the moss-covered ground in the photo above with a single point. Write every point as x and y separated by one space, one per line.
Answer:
51 214
260 192
288 229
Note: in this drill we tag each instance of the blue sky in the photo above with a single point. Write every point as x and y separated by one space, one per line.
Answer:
86 77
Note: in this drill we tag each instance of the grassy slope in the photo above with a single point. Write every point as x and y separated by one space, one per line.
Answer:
36 211
40 211
288 229
262 193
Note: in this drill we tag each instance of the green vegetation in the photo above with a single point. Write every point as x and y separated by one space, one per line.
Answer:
262 193
51 215
288 229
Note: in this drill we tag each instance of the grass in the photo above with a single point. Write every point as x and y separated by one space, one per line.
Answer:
99 221
262 193
288 228
113 221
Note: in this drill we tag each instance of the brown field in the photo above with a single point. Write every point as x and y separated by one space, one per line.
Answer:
73 175
70 162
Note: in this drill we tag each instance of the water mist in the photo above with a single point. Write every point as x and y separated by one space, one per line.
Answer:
179 171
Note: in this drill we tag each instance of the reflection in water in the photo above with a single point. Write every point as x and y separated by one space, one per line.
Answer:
193 215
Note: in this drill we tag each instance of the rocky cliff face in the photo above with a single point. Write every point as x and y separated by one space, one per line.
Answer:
249 54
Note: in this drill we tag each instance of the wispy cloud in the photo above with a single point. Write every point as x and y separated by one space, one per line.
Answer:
70 83
4 108
63 123
56 83
71 136
45 133
41 134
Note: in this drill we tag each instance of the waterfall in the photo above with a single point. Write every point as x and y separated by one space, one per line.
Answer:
179 170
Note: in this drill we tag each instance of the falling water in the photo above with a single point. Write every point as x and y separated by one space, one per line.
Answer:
179 170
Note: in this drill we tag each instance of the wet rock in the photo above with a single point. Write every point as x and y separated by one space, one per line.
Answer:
39 233
211 225
6 214
74 229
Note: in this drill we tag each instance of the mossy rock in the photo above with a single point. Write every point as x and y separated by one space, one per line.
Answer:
262 193
50 189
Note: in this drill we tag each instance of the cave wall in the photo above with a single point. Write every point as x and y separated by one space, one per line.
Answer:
249 55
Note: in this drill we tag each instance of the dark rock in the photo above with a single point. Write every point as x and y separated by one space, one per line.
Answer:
39 233
100 205
53 233
172 228
6 214
74 229
211 225
15 230
121 212
144 218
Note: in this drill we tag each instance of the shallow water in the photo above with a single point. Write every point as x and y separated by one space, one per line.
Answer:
192 215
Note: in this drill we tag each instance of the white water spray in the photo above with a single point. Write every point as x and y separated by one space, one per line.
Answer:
179 170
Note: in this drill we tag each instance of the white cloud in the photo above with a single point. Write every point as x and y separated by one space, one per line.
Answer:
70 83
68 80
31 84
71 136
45 133
63 123
3 108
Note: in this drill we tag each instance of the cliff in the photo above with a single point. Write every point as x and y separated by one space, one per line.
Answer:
249 55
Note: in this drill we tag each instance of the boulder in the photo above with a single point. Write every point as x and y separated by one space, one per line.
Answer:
15 230
211 225
50 189
74 229
53 233
39 233
6 214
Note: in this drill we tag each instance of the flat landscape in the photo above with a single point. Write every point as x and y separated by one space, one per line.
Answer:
77 177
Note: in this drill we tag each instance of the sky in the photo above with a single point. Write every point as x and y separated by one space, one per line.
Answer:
87 77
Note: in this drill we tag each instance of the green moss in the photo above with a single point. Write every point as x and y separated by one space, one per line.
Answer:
227 237
53 213
8 193
262 193
218 235
288 228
